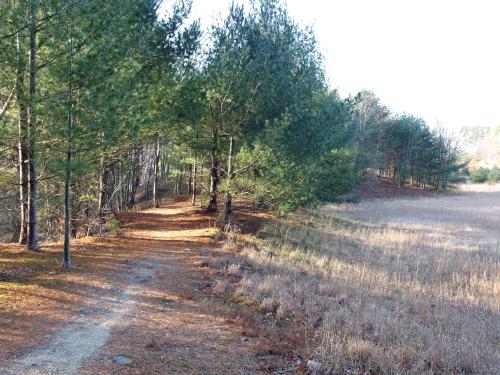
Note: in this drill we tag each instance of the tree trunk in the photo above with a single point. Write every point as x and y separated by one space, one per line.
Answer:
6 104
229 200
23 177
214 181
69 151
16 227
186 182
103 187
23 152
156 200
190 180
227 212
118 185
135 186
178 183
136 175
32 197
149 168
193 187
214 175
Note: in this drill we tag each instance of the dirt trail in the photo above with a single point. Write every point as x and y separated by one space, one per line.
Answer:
155 309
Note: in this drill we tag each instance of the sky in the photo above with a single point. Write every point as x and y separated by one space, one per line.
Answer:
436 59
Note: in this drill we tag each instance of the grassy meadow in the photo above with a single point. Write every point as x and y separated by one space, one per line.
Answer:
406 286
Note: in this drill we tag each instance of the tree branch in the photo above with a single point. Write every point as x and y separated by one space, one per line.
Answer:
46 18
7 102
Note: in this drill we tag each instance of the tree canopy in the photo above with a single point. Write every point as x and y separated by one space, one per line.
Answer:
104 104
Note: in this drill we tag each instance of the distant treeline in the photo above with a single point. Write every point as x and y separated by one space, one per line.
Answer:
481 146
104 103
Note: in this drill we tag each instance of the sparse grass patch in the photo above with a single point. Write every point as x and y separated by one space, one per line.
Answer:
53 283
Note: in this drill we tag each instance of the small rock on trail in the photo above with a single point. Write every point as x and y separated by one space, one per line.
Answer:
123 360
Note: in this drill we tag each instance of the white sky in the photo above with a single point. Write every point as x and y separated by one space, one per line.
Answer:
438 59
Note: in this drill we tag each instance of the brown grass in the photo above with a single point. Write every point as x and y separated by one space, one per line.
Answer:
386 286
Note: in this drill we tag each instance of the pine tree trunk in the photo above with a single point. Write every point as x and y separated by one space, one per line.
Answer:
135 186
136 176
227 211
67 180
103 187
229 199
156 200
117 186
147 182
32 197
201 188
23 177
23 152
186 182
214 181
193 187
16 227
178 183
190 180
214 175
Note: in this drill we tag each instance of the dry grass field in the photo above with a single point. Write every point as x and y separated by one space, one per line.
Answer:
406 286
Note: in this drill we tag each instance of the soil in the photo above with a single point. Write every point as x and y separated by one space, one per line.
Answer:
144 295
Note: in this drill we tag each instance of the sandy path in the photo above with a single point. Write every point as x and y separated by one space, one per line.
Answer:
157 311
81 338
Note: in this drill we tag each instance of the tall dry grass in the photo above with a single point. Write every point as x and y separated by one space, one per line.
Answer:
386 286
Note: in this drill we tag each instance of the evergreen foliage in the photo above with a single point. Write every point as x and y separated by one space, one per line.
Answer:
104 104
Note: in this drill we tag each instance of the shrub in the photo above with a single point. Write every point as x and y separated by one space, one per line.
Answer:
494 174
113 226
480 175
